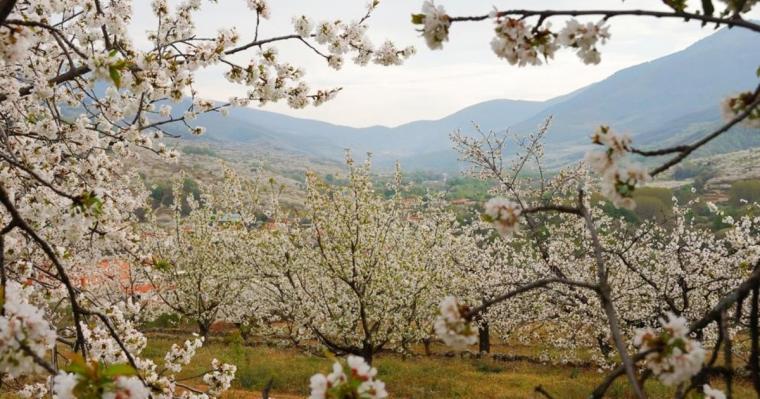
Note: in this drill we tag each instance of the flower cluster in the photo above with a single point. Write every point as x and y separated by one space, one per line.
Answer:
24 332
504 214
67 385
33 391
735 105
13 43
181 356
584 38
516 40
619 178
451 326
128 388
675 357
388 54
220 378
303 25
521 45
359 382
261 7
64 385
101 343
343 38
435 23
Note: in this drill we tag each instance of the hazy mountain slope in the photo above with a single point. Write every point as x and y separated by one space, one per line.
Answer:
667 100
404 140
643 98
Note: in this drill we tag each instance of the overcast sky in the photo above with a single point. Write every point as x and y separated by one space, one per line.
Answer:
434 84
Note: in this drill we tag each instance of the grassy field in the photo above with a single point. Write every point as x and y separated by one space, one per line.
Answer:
420 377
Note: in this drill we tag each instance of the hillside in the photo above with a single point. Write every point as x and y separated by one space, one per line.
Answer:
667 100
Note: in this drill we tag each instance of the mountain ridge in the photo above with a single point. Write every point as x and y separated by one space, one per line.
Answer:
666 100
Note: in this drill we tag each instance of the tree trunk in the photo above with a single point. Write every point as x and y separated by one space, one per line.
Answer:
427 342
6 7
367 352
484 337
204 327
604 345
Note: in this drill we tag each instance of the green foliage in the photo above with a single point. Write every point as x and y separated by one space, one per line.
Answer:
700 173
417 377
684 194
483 366
612 210
161 265
235 339
665 195
748 190
247 378
193 150
688 170
164 320
651 208
466 187
717 225
96 378
89 202
162 194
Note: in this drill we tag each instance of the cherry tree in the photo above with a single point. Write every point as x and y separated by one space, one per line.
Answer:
199 267
80 103
363 272
524 37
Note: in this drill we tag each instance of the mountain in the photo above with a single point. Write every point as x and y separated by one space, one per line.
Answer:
651 99
410 139
665 101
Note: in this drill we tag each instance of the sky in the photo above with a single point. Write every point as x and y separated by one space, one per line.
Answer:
433 84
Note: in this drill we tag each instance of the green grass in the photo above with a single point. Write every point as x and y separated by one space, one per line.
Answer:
419 377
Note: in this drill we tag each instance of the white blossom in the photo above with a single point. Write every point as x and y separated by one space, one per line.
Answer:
520 45
303 25
504 214
619 178
128 388
33 391
64 384
261 7
22 323
584 38
712 393
435 23
675 357
451 326
361 379
220 378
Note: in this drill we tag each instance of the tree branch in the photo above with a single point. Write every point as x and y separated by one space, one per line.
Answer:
525 288
607 14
